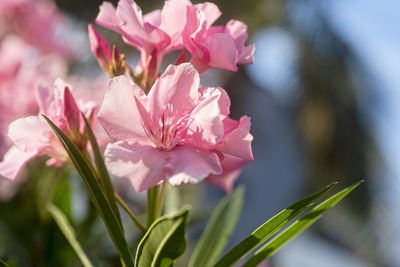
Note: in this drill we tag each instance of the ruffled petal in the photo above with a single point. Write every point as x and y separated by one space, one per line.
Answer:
232 167
107 17
246 57
119 114
223 51
238 141
172 24
191 165
206 125
14 160
177 86
30 133
142 165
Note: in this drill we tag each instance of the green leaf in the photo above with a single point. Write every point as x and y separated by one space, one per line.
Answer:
218 230
164 241
102 169
69 233
270 227
86 171
297 227
3 264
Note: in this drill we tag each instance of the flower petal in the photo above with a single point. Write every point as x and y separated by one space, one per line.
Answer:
107 17
232 167
211 11
223 51
99 47
191 165
177 86
30 133
119 114
172 24
14 160
246 57
206 123
238 141
142 165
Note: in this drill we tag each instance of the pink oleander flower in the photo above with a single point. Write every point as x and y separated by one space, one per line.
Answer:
147 33
38 22
179 25
33 137
178 132
215 46
22 68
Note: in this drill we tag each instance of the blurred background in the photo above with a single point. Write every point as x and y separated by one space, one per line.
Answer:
324 98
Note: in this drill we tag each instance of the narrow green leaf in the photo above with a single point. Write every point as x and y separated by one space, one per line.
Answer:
102 169
270 227
3 264
83 166
297 227
218 230
164 241
69 233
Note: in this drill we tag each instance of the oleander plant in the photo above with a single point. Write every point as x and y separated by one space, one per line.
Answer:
154 128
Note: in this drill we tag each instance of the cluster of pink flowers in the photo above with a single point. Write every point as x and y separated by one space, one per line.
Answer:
160 126
38 22
179 25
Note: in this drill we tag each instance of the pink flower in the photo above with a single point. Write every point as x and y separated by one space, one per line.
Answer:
21 70
33 137
178 132
179 25
39 23
143 32
215 46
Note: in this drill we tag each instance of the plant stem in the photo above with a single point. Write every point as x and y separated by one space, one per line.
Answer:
130 212
152 199
160 204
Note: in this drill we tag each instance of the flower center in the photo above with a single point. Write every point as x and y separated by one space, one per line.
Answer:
168 128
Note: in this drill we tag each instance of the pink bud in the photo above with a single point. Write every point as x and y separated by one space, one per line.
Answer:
99 47
71 111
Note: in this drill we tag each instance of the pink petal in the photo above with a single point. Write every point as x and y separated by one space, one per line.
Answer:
238 31
142 165
173 24
131 21
58 93
119 114
99 47
238 141
107 17
246 57
177 86
154 18
30 133
207 125
14 160
223 51
138 32
211 11
45 98
71 111
191 165
232 167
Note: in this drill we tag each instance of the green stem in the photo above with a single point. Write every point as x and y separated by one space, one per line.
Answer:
160 203
152 199
130 212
